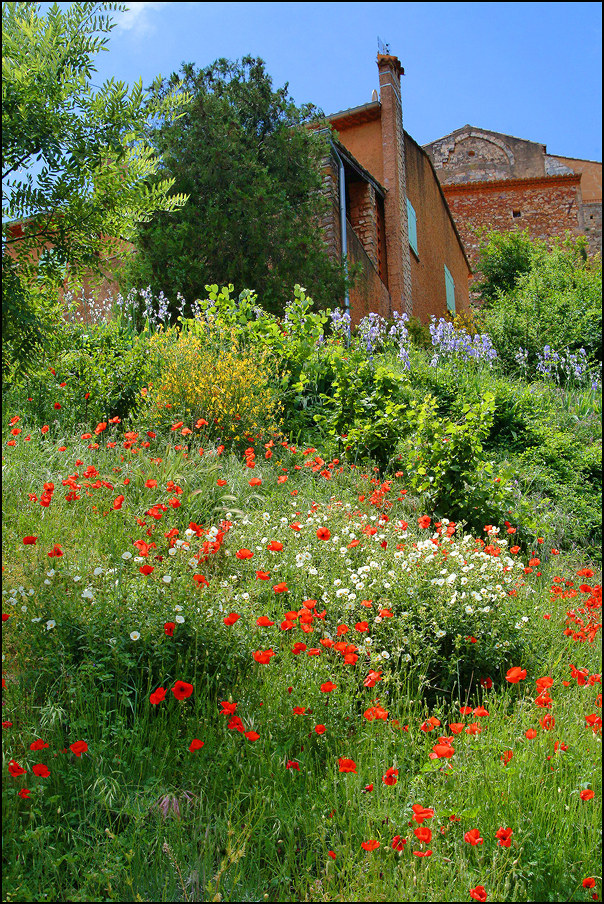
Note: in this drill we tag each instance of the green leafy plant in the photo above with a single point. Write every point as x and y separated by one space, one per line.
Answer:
446 462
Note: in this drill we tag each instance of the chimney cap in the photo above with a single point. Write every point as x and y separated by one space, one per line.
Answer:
389 60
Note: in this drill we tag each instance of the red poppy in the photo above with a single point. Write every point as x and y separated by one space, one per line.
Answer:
424 521
515 674
262 576
78 747
281 588
182 690
422 853
547 722
221 483
423 835
398 843
15 769
441 751
506 757
38 745
372 679
264 622
231 619
255 482
589 882
323 533
320 729
169 627
346 765
228 708
466 710
473 837
200 580
25 792
390 778
456 727
480 711
478 893
275 546
195 744
252 735
530 734
29 541
244 554
328 687
263 656
370 845
587 794
158 696
55 552
504 837
331 854
420 813
291 764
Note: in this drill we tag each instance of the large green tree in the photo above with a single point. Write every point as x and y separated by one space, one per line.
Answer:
77 163
252 173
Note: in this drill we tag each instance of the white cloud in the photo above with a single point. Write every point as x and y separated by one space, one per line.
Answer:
138 18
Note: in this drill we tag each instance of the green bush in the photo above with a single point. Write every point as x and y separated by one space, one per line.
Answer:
103 368
445 462
557 302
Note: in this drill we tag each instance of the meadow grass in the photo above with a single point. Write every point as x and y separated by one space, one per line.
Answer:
422 626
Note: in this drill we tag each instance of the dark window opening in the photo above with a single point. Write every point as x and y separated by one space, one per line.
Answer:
515 213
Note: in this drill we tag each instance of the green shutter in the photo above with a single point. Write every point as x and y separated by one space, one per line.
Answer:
450 290
412 223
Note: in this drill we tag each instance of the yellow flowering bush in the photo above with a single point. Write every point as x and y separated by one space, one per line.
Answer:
224 384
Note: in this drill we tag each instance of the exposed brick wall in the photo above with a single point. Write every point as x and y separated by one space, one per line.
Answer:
369 292
470 155
363 217
592 225
548 207
100 287
330 221
437 240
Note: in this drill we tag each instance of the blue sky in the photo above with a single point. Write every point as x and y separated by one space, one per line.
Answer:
532 70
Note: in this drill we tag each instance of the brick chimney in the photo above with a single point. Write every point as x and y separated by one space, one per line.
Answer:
395 205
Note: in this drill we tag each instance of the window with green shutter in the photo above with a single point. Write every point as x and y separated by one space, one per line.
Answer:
450 290
412 223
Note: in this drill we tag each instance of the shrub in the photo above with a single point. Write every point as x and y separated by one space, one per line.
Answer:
503 257
556 303
446 463
218 382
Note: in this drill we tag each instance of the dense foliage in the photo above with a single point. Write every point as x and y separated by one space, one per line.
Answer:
76 161
293 614
539 300
252 174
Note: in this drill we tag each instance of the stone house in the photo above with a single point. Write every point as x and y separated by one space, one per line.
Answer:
388 204
496 181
